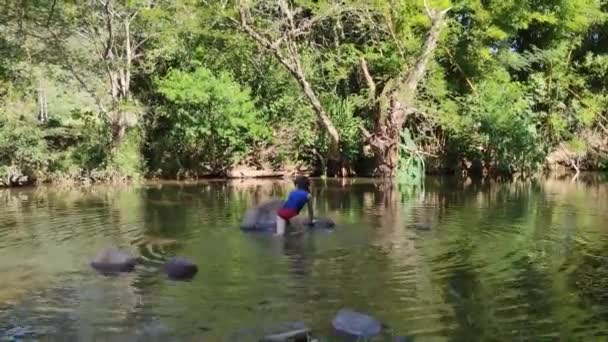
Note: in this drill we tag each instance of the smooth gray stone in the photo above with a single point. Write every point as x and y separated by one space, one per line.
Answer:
180 268
356 325
110 260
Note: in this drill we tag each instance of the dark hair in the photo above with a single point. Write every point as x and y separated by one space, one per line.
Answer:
302 182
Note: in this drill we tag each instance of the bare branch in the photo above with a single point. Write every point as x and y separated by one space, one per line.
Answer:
287 12
469 82
109 28
416 73
292 62
52 12
132 17
106 5
571 160
603 127
137 45
368 78
428 11
366 134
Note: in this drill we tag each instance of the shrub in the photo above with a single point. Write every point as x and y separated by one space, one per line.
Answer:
206 121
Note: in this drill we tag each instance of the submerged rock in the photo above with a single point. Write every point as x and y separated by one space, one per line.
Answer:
355 325
110 260
290 331
276 332
422 226
17 332
320 223
180 268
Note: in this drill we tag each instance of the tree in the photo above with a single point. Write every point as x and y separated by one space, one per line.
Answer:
397 100
284 33
98 42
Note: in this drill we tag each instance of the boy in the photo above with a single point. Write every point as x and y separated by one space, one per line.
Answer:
294 204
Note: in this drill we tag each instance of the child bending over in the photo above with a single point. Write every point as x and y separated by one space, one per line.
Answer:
294 204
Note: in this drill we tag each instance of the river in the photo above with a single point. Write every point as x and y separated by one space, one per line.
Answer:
448 262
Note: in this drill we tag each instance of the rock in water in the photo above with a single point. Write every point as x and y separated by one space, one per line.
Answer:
262 217
180 268
320 223
422 226
355 325
110 260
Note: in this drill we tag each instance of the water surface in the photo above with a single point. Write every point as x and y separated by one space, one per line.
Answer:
513 261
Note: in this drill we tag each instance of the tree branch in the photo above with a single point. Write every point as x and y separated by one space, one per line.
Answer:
368 78
471 85
428 11
109 28
132 16
52 12
292 63
416 74
572 162
137 45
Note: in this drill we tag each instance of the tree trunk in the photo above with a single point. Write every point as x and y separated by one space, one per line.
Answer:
118 129
397 103
323 118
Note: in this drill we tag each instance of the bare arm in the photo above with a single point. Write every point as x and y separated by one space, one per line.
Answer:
310 210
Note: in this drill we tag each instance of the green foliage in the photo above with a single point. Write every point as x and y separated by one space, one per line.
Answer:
508 82
342 113
498 128
22 149
208 120
127 161
411 169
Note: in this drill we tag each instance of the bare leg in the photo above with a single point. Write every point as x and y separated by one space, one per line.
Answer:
297 223
281 223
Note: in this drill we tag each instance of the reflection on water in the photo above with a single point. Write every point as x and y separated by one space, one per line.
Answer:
516 261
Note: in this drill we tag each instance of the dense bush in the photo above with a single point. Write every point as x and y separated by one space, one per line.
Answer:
207 123
497 129
507 83
23 151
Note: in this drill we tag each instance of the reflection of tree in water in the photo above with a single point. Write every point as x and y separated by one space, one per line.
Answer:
299 250
590 280
537 317
462 285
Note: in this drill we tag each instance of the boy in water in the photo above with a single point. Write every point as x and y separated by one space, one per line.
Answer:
294 204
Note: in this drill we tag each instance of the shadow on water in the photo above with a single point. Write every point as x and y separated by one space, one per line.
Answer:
451 261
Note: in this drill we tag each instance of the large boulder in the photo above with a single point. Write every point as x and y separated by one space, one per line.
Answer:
180 268
355 325
112 260
263 218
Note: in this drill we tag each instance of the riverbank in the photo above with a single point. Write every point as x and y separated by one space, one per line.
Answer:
562 160
253 176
